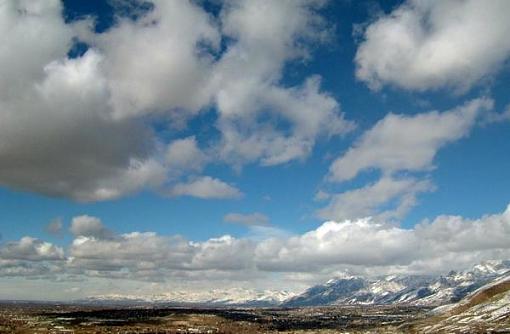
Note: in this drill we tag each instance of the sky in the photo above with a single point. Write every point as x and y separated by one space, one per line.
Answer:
148 146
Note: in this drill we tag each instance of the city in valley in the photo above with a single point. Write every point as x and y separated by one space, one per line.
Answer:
58 318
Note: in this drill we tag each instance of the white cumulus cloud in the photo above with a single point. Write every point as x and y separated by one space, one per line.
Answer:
31 249
82 127
423 45
360 245
88 226
396 144
407 142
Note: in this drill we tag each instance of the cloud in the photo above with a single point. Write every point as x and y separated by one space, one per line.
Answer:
260 120
402 142
83 128
251 219
59 127
55 226
87 226
321 195
359 242
29 28
31 249
141 253
205 187
69 145
224 253
160 63
444 243
424 45
58 136
148 256
242 83
370 199
447 242
495 117
185 155
396 144
360 245
29 270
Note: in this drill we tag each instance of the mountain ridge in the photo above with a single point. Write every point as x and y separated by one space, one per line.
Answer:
216 297
410 289
347 289
484 310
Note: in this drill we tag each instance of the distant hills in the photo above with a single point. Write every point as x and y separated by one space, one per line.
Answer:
216 297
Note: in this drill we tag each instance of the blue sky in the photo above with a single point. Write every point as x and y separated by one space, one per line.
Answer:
169 117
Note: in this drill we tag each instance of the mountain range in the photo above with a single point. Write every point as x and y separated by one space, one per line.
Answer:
410 290
215 297
343 290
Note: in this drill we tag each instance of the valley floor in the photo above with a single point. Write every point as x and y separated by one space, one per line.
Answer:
47 318
27 317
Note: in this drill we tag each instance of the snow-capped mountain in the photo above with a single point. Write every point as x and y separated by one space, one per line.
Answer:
347 289
414 290
229 297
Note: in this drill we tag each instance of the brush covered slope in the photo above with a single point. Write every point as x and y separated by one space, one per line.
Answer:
486 310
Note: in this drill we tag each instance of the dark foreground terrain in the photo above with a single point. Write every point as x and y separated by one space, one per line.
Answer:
486 311
54 318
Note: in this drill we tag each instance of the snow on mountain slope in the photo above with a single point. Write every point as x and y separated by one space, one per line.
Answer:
485 310
414 290
236 296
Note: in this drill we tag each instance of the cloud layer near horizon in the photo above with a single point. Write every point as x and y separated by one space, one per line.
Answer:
363 246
